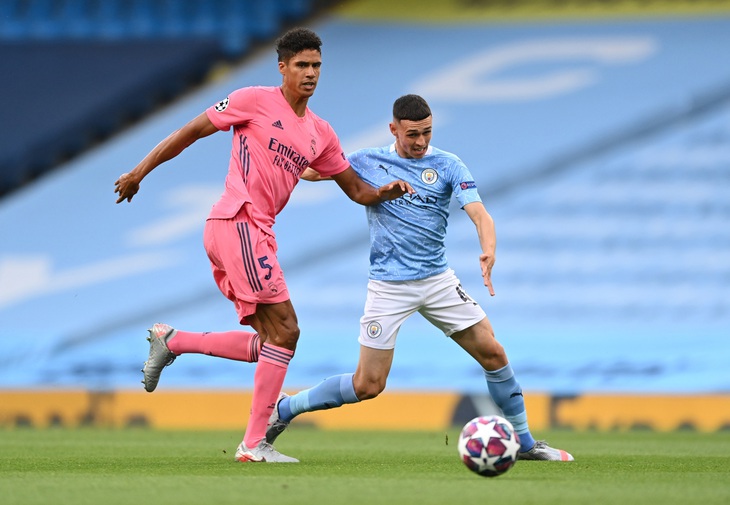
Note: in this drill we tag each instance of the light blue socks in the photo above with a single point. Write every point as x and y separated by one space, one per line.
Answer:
507 394
338 390
328 394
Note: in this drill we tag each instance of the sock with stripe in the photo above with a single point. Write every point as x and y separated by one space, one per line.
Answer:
330 393
267 382
507 394
236 345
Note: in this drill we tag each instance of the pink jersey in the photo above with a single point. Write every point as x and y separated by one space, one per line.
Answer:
271 148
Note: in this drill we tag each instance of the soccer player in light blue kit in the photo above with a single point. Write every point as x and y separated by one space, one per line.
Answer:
409 273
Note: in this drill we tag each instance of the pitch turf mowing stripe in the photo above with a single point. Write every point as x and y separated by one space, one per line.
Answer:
479 11
113 467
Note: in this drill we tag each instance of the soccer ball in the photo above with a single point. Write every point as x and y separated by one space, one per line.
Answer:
488 445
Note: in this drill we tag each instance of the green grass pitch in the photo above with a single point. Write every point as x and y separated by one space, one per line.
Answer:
139 467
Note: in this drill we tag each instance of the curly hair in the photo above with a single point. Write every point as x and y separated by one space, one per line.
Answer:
295 41
411 108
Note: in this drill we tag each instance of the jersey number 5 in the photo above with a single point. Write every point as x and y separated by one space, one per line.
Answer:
263 264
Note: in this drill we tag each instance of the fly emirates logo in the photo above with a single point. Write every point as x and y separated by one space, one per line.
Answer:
287 158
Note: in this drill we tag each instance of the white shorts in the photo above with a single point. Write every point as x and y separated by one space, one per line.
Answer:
440 299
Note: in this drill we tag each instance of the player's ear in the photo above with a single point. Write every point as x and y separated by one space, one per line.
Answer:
393 129
282 66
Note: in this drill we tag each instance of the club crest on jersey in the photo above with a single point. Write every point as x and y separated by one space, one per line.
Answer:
429 176
374 329
222 105
313 147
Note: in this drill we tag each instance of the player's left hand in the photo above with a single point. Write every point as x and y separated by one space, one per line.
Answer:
394 190
487 262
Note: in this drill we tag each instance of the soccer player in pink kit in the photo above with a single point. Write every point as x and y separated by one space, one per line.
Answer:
275 138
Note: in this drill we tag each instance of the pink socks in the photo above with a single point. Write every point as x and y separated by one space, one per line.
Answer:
267 383
236 345
273 362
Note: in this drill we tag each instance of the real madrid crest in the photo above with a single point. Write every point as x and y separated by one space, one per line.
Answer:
429 176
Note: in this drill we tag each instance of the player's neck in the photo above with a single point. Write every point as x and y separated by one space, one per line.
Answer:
298 103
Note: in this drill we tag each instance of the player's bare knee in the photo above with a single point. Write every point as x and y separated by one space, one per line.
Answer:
494 357
291 337
495 350
368 390
286 337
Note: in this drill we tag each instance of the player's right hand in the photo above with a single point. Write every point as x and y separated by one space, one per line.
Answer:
127 186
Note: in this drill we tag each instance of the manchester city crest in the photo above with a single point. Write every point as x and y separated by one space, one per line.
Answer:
429 176
374 329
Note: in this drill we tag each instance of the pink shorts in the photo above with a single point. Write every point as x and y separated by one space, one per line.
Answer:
244 263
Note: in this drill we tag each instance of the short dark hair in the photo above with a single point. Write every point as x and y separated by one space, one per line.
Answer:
295 41
411 108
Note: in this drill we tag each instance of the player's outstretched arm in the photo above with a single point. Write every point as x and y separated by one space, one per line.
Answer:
487 239
312 175
363 193
128 184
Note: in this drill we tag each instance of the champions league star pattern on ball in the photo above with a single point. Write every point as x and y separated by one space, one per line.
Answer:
489 445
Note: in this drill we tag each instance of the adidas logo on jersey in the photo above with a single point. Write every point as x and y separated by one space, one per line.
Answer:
277 124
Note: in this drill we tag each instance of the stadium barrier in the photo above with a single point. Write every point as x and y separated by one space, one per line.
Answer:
391 411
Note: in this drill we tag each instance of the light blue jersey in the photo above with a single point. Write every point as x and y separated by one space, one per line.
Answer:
408 234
